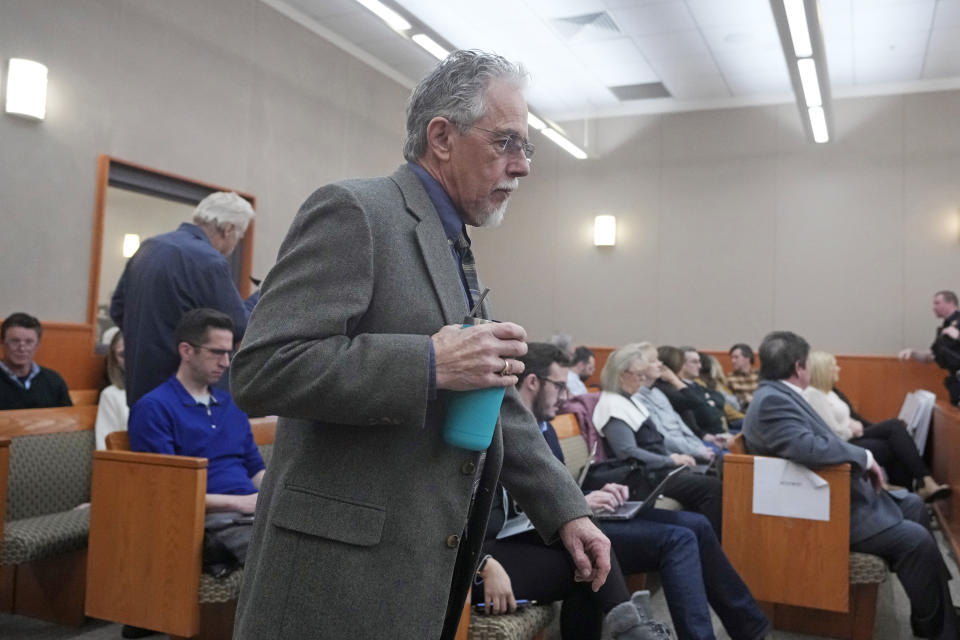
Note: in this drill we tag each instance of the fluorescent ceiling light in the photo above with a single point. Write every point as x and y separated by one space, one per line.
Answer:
536 122
797 20
431 46
808 79
388 15
27 88
565 144
818 123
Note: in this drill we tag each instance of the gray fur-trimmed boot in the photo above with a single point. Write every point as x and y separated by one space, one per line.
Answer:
632 621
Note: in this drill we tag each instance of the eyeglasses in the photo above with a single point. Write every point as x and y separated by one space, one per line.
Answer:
561 386
17 343
216 353
635 373
509 142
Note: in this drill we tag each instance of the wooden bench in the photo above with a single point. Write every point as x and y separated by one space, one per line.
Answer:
146 537
81 397
801 571
45 474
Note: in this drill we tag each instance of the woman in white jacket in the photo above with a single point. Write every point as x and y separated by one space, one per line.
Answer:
112 410
888 441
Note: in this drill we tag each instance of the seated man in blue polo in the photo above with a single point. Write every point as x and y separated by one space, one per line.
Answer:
187 416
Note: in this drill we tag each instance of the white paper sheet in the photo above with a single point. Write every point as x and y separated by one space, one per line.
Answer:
783 488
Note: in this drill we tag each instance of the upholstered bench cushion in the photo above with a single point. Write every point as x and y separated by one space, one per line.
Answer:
522 625
867 569
222 589
41 537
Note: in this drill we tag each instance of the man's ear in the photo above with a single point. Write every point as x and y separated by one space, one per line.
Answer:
439 134
185 350
529 381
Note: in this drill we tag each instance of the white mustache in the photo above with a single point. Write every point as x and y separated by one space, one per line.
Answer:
510 185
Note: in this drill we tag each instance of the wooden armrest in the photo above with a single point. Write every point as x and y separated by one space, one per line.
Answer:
142 457
146 536
788 560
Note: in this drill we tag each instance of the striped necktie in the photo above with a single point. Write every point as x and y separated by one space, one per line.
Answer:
469 267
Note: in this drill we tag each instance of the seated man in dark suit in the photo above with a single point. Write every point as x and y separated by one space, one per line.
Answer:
779 422
23 383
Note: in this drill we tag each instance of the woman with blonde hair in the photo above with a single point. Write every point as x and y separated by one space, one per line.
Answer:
112 410
888 441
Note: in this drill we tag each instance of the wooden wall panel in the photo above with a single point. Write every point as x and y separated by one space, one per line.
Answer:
945 449
876 385
67 348
31 422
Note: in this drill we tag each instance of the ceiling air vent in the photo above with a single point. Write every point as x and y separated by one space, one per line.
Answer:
587 27
644 91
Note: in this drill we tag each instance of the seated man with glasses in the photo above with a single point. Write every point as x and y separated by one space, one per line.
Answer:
23 383
187 416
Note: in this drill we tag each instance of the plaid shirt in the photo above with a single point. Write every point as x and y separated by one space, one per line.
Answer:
743 385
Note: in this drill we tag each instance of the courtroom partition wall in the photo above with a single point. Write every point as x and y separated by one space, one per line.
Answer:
876 385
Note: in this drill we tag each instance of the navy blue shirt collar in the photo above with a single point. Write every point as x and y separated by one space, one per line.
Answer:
449 216
195 231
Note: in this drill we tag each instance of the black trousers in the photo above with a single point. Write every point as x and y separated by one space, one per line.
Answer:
545 574
913 554
701 494
894 450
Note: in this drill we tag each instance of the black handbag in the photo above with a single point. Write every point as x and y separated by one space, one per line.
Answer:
632 473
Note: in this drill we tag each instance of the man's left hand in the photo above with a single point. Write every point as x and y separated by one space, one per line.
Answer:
590 550
951 332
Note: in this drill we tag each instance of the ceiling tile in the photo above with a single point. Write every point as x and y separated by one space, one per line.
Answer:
676 44
563 8
693 65
759 83
894 68
887 17
689 87
840 62
947 14
759 60
941 65
733 39
730 13
654 18
615 62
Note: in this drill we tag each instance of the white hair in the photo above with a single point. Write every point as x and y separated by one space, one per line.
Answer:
224 207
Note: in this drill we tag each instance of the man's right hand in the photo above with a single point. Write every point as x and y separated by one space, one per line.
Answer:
474 357
905 354
682 459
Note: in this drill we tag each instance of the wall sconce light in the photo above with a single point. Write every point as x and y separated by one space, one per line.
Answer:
605 231
131 242
27 88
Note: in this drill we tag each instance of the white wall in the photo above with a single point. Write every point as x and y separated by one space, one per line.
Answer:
730 225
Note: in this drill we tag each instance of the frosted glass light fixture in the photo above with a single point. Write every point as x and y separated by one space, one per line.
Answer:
27 88
131 242
605 231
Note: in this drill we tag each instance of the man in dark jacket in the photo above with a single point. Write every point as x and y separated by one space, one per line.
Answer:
945 350
23 383
171 274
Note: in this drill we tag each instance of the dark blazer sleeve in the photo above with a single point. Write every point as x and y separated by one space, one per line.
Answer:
302 356
529 466
784 429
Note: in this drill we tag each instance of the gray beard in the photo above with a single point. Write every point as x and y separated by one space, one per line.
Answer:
494 218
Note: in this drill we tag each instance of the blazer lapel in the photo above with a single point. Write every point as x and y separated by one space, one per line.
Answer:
434 246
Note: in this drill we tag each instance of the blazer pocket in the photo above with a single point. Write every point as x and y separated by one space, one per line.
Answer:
331 517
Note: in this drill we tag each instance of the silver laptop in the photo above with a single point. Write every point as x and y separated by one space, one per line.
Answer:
632 508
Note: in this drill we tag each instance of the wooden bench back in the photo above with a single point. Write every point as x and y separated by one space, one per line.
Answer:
791 561
80 397
572 443
22 422
263 429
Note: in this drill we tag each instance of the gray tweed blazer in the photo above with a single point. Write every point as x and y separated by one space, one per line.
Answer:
361 517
